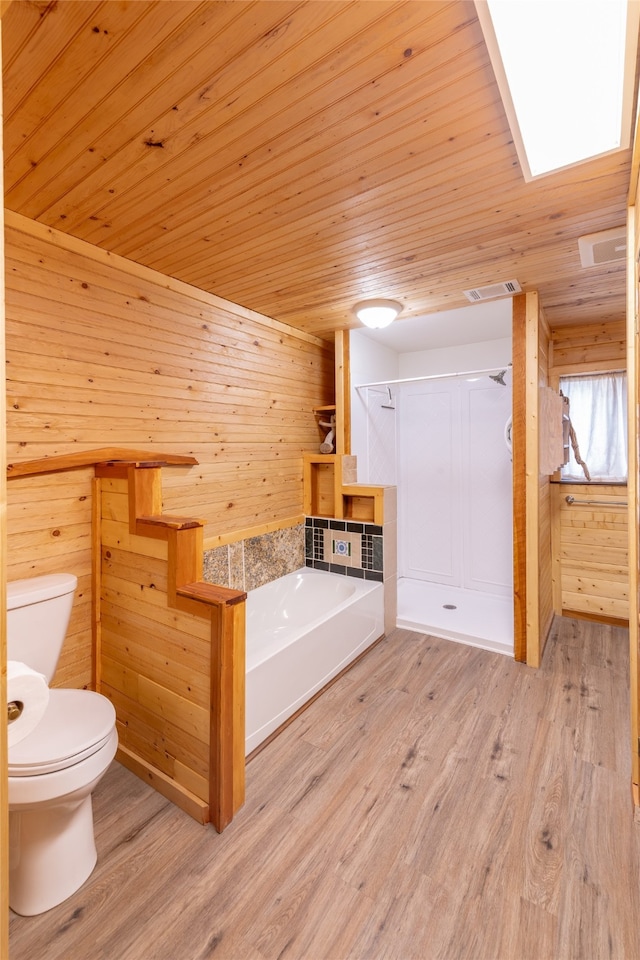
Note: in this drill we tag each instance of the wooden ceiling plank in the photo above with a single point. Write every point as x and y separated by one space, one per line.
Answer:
26 39
138 104
348 240
568 209
179 109
435 198
319 174
422 244
234 132
317 166
341 185
222 238
294 232
431 188
67 79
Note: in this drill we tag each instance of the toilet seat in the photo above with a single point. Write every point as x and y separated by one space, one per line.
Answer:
75 725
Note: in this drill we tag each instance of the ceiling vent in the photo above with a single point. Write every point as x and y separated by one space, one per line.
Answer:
608 246
493 291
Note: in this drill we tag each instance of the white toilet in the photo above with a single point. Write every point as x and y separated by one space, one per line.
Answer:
54 769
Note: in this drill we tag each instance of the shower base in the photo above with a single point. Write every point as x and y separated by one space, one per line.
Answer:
479 619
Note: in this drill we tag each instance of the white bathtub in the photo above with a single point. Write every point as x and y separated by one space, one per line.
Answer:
302 630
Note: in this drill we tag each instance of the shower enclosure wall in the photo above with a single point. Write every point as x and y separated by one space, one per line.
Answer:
444 442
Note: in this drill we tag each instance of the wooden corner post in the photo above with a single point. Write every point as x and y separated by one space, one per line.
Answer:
343 392
227 759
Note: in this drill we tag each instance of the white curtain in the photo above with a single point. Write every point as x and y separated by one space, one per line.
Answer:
598 411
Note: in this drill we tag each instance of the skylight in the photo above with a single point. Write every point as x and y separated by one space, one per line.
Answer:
565 69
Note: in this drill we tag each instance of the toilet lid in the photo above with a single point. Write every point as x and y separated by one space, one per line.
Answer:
75 725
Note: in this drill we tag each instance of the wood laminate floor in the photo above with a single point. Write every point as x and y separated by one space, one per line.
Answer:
439 801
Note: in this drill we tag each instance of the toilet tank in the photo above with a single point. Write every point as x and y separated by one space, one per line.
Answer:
38 613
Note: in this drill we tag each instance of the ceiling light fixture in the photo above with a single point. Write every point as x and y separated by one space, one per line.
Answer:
377 313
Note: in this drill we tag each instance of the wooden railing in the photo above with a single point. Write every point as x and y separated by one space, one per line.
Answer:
180 713
88 458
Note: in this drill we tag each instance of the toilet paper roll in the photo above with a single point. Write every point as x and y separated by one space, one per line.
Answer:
29 689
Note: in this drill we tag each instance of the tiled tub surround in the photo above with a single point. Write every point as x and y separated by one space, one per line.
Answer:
351 548
248 564
344 546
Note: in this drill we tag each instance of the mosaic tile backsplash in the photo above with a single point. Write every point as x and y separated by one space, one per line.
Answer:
344 546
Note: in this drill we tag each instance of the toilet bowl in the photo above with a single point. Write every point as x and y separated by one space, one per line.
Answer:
52 773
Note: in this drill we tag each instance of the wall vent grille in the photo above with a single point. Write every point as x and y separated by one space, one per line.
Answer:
493 291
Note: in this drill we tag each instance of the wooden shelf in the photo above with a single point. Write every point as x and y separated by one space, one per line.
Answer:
330 490
88 458
363 503
322 484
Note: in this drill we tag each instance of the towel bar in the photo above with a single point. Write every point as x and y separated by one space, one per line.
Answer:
596 503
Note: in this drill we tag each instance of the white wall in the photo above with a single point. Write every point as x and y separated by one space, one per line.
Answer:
373 428
371 362
459 359
454 485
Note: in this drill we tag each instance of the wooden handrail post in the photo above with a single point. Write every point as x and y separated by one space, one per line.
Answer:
227 741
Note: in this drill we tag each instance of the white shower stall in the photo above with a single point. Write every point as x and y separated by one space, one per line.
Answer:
443 440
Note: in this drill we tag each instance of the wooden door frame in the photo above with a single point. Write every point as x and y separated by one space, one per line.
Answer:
4 773
633 249
532 620
518 444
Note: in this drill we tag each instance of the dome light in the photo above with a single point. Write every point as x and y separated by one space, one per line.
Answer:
377 313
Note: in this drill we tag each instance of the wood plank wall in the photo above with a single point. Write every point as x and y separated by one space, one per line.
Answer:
590 348
590 543
155 662
103 352
593 550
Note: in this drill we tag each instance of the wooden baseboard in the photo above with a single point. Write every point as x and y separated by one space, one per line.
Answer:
182 798
596 618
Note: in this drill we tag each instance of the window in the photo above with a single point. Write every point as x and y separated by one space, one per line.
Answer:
598 411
